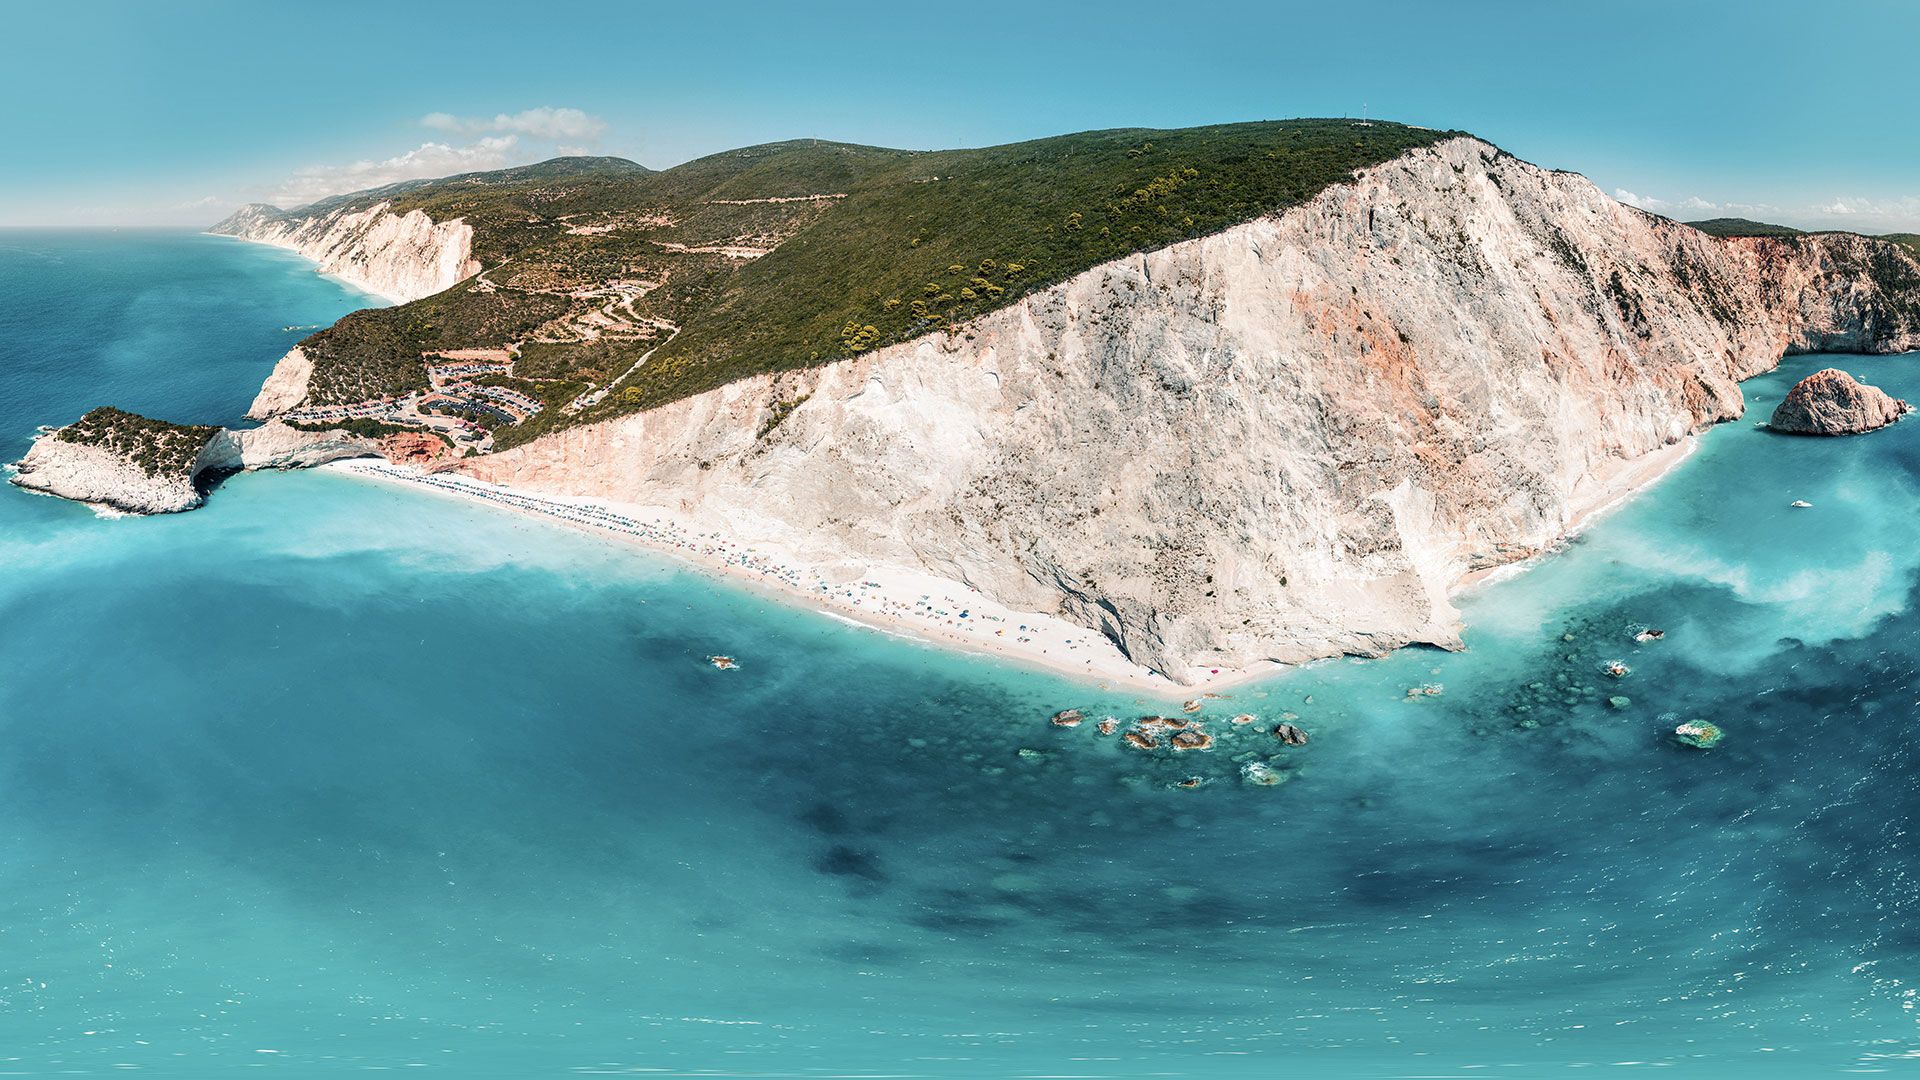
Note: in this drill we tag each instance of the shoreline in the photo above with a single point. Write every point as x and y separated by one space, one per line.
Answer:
941 613
1619 482
917 607
359 287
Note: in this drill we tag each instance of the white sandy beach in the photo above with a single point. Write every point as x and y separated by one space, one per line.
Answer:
914 605
921 606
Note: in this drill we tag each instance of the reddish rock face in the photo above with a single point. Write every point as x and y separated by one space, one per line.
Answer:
1832 402
410 448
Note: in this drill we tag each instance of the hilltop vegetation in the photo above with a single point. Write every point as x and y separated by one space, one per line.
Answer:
158 447
1895 272
1734 226
789 255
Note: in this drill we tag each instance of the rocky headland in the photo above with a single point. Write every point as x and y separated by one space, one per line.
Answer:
122 462
1833 402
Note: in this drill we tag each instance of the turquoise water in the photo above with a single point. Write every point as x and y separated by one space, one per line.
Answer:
333 776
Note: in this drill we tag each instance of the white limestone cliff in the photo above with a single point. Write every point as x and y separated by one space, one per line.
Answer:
276 445
102 479
1289 440
401 257
285 388
107 480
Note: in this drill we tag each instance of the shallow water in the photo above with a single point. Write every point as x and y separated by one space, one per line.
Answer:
332 775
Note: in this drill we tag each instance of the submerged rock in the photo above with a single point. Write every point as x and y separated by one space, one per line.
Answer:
1291 735
1261 774
1698 734
1832 402
1192 739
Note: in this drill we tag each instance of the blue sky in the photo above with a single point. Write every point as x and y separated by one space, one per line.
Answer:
175 113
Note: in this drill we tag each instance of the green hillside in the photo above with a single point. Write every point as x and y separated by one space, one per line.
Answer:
1734 226
789 255
1910 241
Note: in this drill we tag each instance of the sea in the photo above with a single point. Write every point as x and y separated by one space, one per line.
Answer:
334 776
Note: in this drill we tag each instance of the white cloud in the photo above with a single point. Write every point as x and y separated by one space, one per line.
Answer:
542 123
1692 206
426 160
1906 208
1853 213
496 143
1869 215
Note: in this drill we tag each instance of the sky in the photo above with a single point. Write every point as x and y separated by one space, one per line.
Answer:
119 113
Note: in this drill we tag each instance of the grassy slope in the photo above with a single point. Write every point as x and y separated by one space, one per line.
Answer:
906 252
921 240
1733 226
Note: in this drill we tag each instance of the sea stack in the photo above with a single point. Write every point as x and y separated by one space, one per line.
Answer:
1832 402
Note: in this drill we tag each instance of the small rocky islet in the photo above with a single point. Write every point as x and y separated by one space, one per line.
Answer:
1833 402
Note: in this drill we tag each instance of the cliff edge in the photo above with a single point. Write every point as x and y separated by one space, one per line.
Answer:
402 257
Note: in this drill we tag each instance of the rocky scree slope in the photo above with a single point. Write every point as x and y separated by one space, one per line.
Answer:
1287 440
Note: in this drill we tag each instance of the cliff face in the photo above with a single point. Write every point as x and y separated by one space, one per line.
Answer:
402 257
106 477
285 388
1285 441
103 479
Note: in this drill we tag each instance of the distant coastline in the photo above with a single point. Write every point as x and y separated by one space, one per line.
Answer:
358 286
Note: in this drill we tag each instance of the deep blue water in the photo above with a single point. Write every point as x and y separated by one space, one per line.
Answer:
331 776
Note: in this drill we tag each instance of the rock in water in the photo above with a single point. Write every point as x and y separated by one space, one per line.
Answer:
1832 402
1698 734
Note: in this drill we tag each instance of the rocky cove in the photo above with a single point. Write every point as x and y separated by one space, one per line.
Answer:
1289 440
